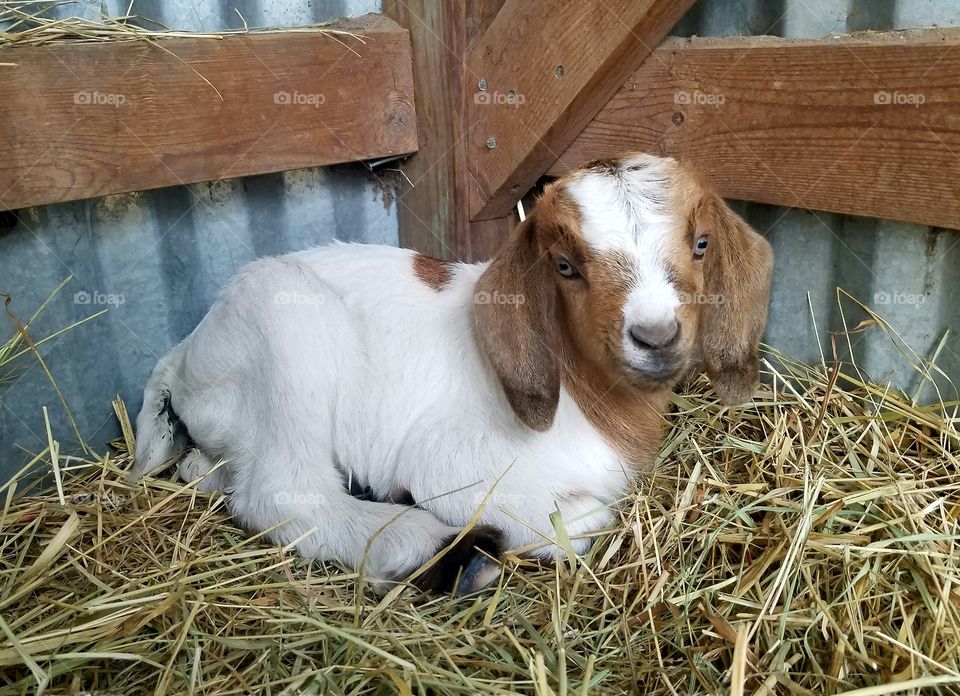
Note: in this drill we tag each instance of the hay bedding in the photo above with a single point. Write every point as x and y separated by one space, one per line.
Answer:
804 545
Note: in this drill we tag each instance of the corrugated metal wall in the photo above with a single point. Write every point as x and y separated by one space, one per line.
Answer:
165 253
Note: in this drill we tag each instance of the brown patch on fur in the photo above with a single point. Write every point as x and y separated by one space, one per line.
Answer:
598 326
432 271
628 418
601 166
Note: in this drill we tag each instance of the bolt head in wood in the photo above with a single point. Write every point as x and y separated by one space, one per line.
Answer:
491 143
482 85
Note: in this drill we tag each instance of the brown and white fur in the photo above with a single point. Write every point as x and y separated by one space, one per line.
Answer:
532 383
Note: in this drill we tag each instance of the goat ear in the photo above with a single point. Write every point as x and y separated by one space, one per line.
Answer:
516 326
738 267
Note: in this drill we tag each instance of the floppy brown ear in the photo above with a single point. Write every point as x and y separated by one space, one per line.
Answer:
516 326
738 267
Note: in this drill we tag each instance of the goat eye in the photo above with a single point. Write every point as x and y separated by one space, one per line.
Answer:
700 247
565 268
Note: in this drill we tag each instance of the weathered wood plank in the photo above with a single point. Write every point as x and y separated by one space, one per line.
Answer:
81 120
434 213
865 125
550 66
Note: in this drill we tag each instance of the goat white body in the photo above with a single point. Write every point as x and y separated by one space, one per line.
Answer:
339 361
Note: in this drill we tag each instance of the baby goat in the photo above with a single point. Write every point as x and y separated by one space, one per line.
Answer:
532 383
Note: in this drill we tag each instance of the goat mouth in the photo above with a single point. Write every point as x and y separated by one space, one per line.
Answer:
654 375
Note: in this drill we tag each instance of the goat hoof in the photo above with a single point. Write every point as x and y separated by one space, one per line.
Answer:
480 572
473 560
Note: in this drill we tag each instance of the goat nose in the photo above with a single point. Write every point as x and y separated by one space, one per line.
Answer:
655 335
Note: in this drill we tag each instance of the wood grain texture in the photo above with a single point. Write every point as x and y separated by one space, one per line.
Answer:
81 120
434 213
598 43
864 125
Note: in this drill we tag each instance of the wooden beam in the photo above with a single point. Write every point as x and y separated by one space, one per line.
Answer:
433 213
88 119
863 125
549 67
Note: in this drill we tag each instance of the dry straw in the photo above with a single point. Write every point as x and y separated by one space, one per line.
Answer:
30 23
806 544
